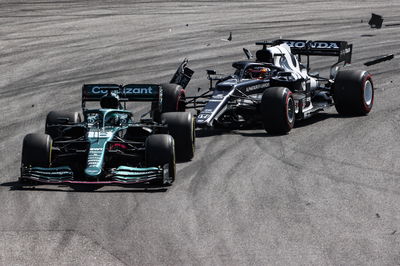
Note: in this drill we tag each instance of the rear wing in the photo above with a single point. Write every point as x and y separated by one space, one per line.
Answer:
341 49
127 93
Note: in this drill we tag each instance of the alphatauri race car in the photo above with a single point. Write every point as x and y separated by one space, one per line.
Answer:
107 145
277 89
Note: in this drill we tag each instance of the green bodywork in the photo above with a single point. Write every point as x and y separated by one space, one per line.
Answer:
103 125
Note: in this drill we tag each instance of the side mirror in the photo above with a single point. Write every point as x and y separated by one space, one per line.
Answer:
211 72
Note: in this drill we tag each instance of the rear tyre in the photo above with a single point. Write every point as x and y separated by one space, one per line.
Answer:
36 151
277 110
160 151
173 100
353 92
182 128
60 118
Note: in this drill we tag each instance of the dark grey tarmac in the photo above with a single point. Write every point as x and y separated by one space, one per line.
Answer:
328 193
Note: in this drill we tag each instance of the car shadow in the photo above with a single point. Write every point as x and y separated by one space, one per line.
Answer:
314 119
137 188
258 130
210 132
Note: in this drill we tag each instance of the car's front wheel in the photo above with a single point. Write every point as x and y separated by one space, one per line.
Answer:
36 151
160 150
181 127
277 110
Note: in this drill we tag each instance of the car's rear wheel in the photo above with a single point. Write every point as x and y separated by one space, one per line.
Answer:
173 100
160 150
181 127
353 92
36 151
277 110
60 118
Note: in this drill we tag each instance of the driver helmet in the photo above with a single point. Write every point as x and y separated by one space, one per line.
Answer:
109 101
258 72
113 120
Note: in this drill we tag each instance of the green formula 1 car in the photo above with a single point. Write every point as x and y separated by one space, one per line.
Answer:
107 145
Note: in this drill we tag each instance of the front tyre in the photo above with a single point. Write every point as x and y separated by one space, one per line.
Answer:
36 151
181 127
277 110
353 92
160 150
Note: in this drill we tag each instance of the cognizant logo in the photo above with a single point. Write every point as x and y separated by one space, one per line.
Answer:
126 91
148 90
98 90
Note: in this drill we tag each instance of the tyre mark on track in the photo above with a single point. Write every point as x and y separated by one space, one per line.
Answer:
289 161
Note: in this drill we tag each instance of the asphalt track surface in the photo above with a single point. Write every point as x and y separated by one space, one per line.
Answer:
325 194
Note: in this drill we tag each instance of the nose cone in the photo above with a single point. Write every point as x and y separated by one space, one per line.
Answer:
92 172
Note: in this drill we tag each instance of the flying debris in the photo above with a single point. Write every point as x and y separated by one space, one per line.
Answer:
247 53
230 36
375 21
379 59
392 25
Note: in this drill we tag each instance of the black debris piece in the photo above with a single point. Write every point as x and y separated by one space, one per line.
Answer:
187 25
230 36
367 35
394 232
33 105
379 59
375 21
377 215
392 25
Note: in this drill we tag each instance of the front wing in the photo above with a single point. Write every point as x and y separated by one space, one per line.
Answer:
120 175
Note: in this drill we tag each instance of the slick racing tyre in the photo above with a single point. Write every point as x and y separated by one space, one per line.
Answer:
60 118
160 150
277 110
353 92
181 128
36 151
172 100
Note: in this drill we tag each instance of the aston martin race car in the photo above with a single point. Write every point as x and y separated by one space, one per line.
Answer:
277 89
108 145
